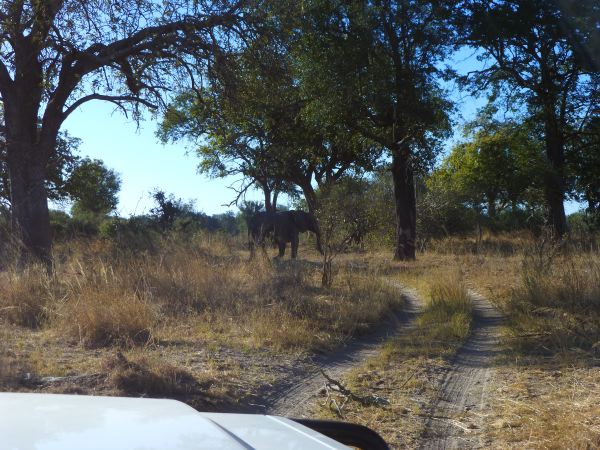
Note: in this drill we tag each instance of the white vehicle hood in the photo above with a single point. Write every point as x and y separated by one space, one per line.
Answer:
65 422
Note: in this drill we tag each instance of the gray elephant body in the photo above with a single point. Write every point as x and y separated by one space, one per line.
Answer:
285 226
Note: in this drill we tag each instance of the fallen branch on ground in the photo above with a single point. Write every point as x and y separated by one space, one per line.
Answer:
365 400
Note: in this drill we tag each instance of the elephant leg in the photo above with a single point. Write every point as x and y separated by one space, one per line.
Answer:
295 241
251 248
281 245
263 249
258 241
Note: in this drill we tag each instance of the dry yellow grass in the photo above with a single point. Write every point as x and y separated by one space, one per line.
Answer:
162 308
199 293
447 315
148 375
100 318
556 305
551 300
545 407
25 296
548 382
9 366
504 244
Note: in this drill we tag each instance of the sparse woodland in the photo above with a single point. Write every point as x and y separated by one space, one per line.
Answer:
347 110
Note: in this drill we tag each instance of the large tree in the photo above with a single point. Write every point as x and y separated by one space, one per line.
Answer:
59 168
235 119
256 121
59 54
541 53
376 66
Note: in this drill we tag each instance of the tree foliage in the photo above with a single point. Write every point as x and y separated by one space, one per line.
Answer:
540 54
376 66
256 120
500 165
93 187
58 55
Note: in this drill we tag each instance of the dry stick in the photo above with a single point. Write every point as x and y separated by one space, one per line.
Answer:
337 408
367 400
408 379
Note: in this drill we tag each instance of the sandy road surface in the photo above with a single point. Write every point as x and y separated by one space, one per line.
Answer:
457 417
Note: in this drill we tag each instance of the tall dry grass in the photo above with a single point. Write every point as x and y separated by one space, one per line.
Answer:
499 244
447 316
148 375
198 289
25 296
556 306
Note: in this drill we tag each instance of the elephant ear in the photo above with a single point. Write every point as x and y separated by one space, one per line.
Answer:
306 221
299 220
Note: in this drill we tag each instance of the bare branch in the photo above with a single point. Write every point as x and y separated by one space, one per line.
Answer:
239 193
116 99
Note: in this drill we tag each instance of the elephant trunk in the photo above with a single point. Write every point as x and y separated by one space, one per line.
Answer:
319 247
317 232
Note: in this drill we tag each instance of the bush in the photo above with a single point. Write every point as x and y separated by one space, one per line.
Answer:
61 225
520 219
441 213
136 234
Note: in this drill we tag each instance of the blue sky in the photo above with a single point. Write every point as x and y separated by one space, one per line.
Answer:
145 164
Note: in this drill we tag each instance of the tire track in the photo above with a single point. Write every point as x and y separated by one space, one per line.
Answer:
458 415
296 397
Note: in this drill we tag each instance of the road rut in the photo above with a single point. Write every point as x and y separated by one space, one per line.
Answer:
296 397
458 415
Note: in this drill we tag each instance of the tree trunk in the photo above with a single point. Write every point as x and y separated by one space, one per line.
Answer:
275 195
554 180
491 206
310 197
268 204
26 156
29 202
406 204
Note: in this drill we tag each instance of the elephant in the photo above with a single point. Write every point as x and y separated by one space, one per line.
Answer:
259 225
285 226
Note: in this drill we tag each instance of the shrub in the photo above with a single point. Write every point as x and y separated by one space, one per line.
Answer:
135 234
61 225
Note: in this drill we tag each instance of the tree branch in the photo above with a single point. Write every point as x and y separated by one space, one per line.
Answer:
5 79
116 99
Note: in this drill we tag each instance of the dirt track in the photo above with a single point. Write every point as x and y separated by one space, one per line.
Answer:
455 419
459 413
294 398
